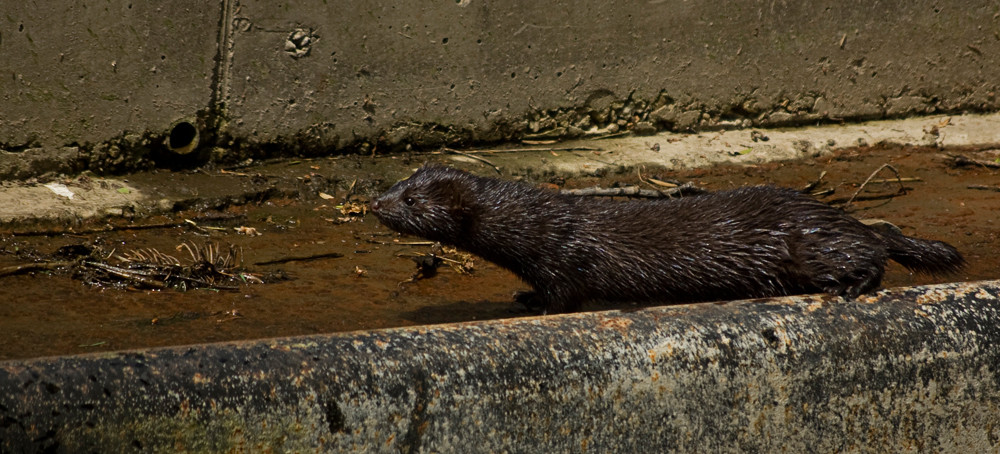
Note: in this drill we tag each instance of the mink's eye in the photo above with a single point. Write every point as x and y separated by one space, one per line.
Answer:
409 201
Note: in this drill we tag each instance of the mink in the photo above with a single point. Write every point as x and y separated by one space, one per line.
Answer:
750 242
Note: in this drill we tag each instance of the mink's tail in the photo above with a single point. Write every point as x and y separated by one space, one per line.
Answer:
924 256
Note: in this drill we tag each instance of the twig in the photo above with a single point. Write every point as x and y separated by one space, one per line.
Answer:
863 198
477 158
121 228
329 255
653 181
611 136
892 180
960 160
902 189
635 191
27 268
809 187
350 192
110 228
132 275
984 187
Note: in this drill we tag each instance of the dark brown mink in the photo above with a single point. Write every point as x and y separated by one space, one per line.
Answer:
750 242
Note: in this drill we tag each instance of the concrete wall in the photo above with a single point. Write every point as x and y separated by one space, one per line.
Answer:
909 370
317 76
84 72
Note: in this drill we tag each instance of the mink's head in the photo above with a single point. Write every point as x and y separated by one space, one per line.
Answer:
436 203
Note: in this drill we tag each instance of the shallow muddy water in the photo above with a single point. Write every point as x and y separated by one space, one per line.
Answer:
53 312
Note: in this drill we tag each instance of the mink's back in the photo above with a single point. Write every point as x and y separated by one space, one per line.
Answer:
749 242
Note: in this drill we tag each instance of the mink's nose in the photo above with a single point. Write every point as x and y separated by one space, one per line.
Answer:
376 204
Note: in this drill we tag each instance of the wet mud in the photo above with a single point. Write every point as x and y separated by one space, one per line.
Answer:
329 272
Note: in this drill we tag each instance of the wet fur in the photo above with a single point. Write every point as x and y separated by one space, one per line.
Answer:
749 242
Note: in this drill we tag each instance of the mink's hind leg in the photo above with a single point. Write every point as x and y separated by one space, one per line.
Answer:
842 265
852 285
865 280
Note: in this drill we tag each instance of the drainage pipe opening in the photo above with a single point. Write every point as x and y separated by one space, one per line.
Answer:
183 137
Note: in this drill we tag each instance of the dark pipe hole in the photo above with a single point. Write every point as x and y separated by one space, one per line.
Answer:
182 135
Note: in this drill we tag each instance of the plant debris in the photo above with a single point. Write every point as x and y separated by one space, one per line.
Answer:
427 266
209 266
428 263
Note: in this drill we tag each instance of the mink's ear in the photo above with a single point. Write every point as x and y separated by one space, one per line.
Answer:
462 199
456 195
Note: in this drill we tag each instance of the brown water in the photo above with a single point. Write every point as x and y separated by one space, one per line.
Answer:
50 313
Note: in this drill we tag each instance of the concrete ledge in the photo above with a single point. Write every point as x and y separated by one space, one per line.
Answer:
907 369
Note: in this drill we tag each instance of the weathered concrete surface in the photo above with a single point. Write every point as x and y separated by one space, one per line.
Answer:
909 369
99 84
483 69
77 72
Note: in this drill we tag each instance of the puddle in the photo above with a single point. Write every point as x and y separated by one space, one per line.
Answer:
51 313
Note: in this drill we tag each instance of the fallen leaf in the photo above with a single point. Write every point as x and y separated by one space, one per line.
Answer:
248 231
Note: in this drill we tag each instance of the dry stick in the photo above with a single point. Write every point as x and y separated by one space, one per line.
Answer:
329 255
628 191
111 228
653 181
118 228
966 161
809 187
477 158
634 191
413 243
350 192
132 275
144 270
610 136
893 180
27 268
902 190
864 198
984 187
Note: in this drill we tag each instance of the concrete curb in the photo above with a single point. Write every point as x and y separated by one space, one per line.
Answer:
911 368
